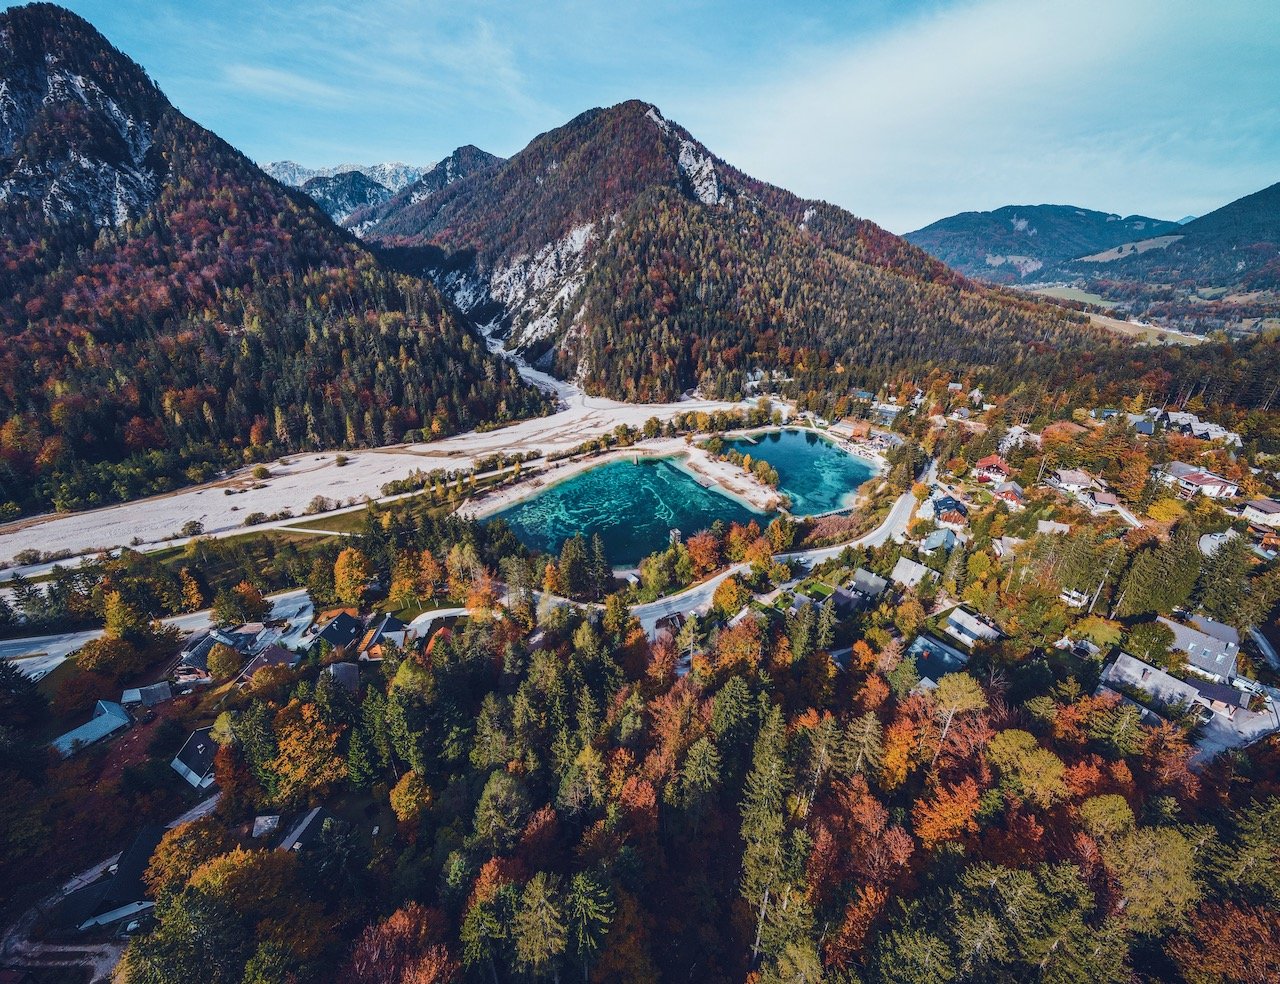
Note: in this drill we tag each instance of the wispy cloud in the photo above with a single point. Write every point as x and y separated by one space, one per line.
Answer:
283 86
1154 105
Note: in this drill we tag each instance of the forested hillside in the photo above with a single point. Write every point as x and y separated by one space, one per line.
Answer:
625 252
168 309
1017 242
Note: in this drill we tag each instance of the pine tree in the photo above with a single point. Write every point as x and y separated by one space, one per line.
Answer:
589 910
539 931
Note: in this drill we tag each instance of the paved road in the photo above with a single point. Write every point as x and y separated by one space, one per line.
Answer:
698 598
38 655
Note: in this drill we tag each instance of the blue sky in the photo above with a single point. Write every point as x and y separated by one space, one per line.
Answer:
900 110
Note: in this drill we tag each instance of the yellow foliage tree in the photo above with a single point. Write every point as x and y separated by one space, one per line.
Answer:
350 575
307 759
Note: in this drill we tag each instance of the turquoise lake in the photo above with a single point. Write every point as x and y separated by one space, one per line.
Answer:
816 475
632 505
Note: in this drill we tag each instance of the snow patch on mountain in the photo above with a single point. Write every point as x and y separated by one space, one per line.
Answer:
700 170
393 175
654 115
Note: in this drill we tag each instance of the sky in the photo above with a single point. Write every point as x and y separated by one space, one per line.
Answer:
902 111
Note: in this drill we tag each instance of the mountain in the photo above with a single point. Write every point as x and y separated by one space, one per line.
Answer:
1017 242
621 252
462 163
1220 270
392 175
341 194
168 309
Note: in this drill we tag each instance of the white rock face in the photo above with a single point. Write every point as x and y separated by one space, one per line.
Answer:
534 291
701 172
111 191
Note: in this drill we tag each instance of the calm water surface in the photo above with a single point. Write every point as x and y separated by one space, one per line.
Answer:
633 506
816 475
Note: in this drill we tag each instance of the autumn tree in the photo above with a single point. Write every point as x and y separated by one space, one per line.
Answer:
350 576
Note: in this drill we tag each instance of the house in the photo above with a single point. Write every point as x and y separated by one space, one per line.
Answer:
1188 423
1189 481
340 631
1126 673
1073 481
265 826
934 659
950 513
120 895
975 396
1262 512
1211 648
799 602
387 631
194 761
306 830
1050 527
1015 437
150 696
969 628
944 540
193 661
1011 494
1141 424
993 467
108 718
909 574
1100 502
273 655
1006 545
345 675
868 586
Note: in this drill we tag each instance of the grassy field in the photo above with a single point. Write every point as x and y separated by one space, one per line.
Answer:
1075 294
1150 334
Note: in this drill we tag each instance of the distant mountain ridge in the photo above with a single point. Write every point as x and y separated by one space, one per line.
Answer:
619 251
1216 271
1017 242
462 163
392 175
341 194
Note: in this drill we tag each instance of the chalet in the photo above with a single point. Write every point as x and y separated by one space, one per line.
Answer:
193 661
1189 481
120 895
150 696
1125 674
1052 528
975 396
950 513
909 574
1262 512
340 631
194 761
306 831
1011 494
1210 647
993 467
108 718
934 659
944 540
386 631
969 628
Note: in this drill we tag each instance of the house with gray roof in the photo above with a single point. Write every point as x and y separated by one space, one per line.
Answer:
194 761
150 696
108 718
1127 674
304 833
1210 647
969 628
120 895
909 573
